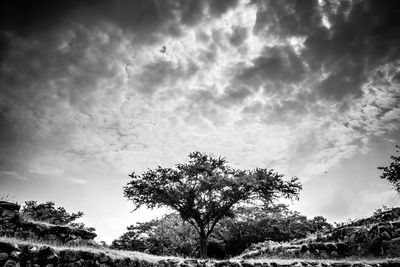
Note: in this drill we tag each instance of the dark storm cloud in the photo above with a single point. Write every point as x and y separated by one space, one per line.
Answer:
147 20
362 36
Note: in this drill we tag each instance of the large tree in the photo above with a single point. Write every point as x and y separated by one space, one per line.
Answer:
392 172
205 190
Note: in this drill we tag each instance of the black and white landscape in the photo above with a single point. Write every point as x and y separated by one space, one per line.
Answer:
92 91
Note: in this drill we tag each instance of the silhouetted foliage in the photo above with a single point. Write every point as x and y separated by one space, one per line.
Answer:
205 190
170 235
166 236
392 172
260 223
47 212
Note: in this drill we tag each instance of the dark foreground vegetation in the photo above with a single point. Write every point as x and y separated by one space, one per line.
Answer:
170 235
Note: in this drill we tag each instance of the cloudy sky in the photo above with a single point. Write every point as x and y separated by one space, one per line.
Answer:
91 91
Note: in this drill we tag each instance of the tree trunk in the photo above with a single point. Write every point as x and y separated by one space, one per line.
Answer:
203 246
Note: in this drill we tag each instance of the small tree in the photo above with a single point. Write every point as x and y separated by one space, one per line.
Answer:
392 172
46 212
205 190
169 235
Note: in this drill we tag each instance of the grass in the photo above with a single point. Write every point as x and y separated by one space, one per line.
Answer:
44 223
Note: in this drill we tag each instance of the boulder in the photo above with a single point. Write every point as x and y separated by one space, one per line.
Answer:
45 255
3 258
11 263
69 256
6 247
9 206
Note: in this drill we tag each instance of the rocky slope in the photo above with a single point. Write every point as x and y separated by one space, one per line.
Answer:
12 224
16 255
376 236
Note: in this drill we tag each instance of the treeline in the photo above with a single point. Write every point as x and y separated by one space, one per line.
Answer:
170 235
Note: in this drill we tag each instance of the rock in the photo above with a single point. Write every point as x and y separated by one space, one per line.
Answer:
385 235
71 264
334 254
323 254
222 264
69 256
3 256
248 264
103 258
9 215
304 248
394 263
86 255
8 247
331 247
89 263
85 234
9 206
122 263
392 247
15 255
11 263
45 255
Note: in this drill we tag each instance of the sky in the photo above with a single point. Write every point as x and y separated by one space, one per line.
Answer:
91 91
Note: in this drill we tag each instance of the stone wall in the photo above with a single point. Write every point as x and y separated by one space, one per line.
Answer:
13 255
12 224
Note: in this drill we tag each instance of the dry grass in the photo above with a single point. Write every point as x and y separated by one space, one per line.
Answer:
29 220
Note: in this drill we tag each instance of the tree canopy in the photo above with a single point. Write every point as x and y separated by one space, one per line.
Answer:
206 189
392 172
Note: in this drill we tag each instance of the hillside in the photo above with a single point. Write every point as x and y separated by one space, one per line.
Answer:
14 224
375 236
